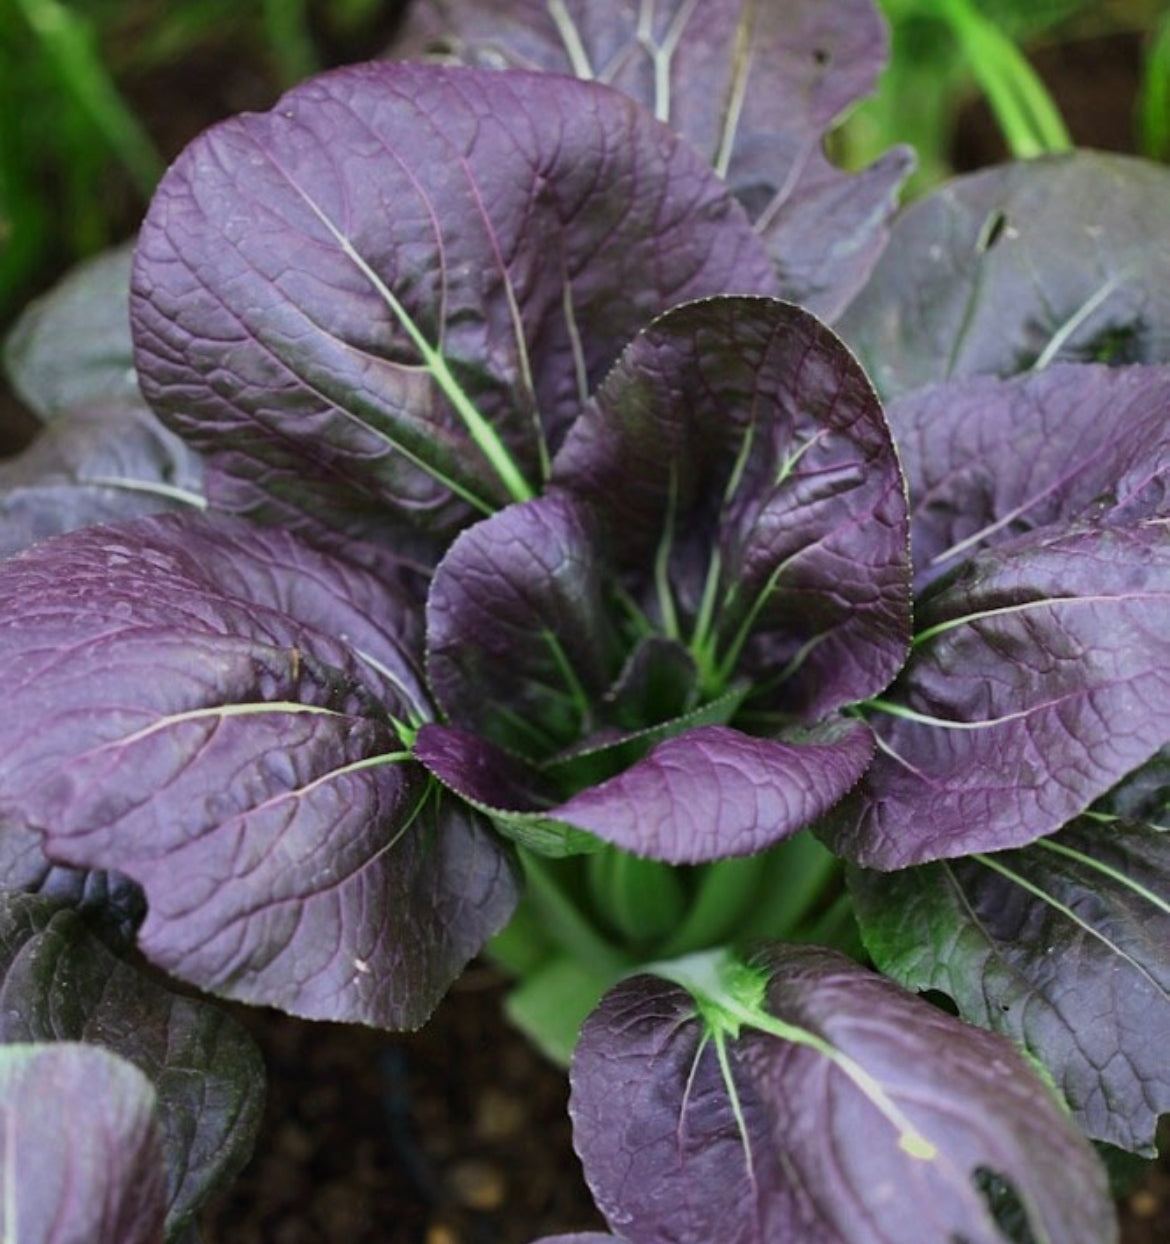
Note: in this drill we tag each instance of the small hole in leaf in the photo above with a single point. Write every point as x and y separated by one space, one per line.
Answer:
991 232
1003 1202
821 56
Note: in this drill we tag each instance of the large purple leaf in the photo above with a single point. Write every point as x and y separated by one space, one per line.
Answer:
95 465
579 1237
72 346
1063 258
753 85
1040 677
519 647
987 459
805 1098
742 437
58 982
391 294
211 711
79 1148
1063 946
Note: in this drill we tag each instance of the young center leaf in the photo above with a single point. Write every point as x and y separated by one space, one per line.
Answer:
754 85
79 1148
805 1098
58 982
219 713
387 298
1064 258
1038 680
1062 947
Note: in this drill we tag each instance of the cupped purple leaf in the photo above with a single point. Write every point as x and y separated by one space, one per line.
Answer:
393 292
79 1148
1064 947
805 1098
216 712
58 982
754 86
1039 679
95 465
1062 258
738 443
711 792
987 459
519 646
72 346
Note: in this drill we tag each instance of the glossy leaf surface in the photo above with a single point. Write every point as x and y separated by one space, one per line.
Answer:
1062 946
386 298
754 85
98 1178
228 744
988 459
1065 258
1038 681
58 982
809 1099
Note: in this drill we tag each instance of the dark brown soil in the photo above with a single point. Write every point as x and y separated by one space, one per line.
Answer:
457 1134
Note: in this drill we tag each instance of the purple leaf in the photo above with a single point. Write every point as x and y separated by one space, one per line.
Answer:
403 281
211 711
987 459
754 86
72 346
805 1098
80 1148
712 792
58 982
741 436
1038 680
1064 947
1063 258
519 646
95 465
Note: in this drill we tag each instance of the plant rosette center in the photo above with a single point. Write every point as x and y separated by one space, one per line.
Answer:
717 567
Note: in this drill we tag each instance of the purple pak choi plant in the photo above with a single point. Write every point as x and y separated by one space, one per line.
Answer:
502 561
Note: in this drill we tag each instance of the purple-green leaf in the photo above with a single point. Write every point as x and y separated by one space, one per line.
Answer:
805 1098
1040 677
1063 947
95 465
217 713
988 459
388 297
754 86
738 444
79 1149
58 982
1065 258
